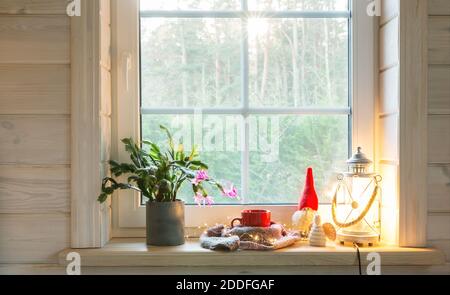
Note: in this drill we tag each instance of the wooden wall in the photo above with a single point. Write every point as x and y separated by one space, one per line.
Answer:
439 125
34 130
387 119
35 124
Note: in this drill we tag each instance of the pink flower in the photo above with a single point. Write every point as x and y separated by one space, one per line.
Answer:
202 200
230 192
209 200
199 177
198 198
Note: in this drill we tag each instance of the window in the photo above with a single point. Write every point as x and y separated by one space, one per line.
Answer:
264 88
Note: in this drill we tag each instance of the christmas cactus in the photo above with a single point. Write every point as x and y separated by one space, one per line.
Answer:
159 174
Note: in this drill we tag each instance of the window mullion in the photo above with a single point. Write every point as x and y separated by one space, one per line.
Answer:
245 157
245 13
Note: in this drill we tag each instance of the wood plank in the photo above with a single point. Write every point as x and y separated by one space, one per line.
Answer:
34 89
389 9
25 189
389 90
443 245
389 44
439 139
105 95
438 227
33 7
439 40
388 137
34 139
439 7
105 45
439 188
105 139
88 224
389 211
55 269
35 39
439 88
35 238
413 123
105 11
134 252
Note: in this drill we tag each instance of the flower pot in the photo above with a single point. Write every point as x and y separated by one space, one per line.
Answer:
165 223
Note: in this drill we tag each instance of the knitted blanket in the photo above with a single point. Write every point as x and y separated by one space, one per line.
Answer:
247 238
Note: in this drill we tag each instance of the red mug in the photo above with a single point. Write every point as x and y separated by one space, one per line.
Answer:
254 218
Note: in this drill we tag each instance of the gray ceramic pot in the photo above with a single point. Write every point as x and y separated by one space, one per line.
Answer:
165 223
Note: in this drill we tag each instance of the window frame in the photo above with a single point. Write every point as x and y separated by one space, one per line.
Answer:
128 214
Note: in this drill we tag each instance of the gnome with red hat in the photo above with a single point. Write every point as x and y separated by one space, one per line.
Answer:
307 207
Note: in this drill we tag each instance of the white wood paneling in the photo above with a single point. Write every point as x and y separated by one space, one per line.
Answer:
438 7
438 125
389 201
34 89
439 227
105 11
439 89
105 143
389 46
413 123
34 130
105 44
105 107
33 6
439 40
439 139
389 10
54 269
134 252
439 188
34 39
91 136
443 245
34 139
388 137
35 238
389 91
34 189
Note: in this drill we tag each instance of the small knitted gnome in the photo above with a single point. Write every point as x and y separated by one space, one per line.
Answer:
307 207
317 238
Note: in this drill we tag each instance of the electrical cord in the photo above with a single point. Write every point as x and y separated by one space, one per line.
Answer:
358 254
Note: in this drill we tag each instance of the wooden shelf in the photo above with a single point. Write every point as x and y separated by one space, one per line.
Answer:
134 252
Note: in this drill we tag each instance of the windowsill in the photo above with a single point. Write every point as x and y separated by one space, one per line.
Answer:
134 252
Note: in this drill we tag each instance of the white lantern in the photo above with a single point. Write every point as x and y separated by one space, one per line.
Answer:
356 204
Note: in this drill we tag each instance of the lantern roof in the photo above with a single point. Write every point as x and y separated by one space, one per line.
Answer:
359 158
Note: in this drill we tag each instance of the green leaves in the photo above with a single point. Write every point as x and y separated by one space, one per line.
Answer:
158 174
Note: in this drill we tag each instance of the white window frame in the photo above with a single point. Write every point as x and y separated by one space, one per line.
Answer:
128 214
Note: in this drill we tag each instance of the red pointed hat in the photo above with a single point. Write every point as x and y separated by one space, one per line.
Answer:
309 196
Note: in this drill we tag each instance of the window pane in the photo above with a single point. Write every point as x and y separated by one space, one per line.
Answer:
218 137
190 62
190 4
298 5
298 62
282 147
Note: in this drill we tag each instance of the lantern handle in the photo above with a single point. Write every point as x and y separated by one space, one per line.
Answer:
378 178
360 217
